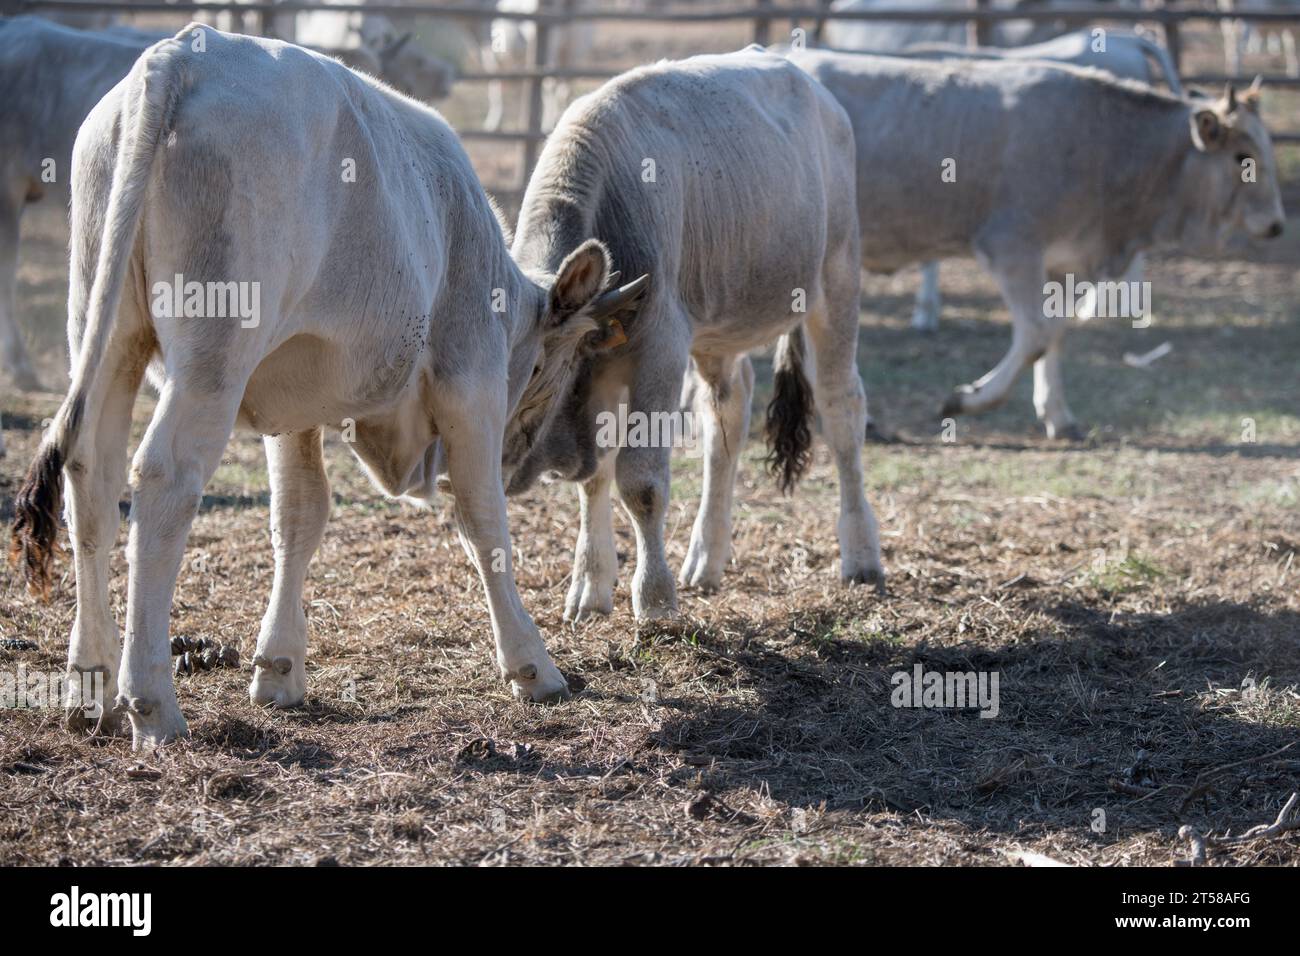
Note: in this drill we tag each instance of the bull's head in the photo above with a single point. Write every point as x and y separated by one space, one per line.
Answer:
1236 187
578 315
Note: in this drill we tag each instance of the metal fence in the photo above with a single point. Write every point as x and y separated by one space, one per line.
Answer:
764 15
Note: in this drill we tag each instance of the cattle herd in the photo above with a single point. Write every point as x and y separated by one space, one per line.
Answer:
681 216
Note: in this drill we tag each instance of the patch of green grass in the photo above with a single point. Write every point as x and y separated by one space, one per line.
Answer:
1133 573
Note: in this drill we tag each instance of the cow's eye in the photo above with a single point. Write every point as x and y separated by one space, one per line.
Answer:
1243 158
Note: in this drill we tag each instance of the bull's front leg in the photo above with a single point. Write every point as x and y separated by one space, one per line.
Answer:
722 399
300 507
472 431
595 561
644 475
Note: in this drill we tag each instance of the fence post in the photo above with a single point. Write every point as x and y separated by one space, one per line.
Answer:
539 60
979 32
819 25
762 22
1173 41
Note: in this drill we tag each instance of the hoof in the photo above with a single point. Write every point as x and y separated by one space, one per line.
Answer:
153 723
954 403
879 436
278 682
540 684
586 601
870 577
657 612
80 722
699 574
1072 432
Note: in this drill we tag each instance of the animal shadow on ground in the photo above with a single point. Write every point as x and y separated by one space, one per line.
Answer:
1126 714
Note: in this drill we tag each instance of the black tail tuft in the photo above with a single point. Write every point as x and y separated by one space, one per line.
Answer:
34 537
789 414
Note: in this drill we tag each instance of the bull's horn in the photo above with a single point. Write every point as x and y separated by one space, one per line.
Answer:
620 299
392 49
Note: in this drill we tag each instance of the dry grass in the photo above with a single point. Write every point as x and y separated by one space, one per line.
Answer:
1138 599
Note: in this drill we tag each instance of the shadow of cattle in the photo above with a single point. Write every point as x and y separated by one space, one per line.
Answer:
1102 728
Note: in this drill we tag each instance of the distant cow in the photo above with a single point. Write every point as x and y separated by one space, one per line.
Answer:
729 179
373 43
1125 55
360 280
1239 35
508 46
895 35
50 77
1057 172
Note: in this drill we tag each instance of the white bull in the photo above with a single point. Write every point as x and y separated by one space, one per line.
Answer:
730 180
253 172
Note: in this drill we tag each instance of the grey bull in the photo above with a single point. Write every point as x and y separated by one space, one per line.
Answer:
50 77
729 179
385 301
1042 172
1125 55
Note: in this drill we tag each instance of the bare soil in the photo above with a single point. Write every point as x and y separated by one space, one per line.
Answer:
1136 596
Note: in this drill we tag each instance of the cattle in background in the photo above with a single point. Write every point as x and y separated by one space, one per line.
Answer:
50 77
375 44
400 312
1240 36
730 180
507 48
886 36
1059 172
1125 55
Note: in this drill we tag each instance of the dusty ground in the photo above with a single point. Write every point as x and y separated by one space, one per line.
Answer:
1137 597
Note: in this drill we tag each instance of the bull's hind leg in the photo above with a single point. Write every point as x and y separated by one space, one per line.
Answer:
1020 276
300 506
179 453
841 404
96 474
722 398
595 561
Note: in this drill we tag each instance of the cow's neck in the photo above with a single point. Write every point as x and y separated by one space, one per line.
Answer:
1170 190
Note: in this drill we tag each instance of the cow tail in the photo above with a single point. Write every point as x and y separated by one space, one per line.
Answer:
789 413
147 108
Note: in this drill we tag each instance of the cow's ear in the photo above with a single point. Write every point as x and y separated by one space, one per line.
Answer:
581 278
1208 131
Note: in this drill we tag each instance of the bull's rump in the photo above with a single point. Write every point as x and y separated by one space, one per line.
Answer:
283 171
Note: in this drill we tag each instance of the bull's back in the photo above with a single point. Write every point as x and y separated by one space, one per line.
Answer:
947 150
737 171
